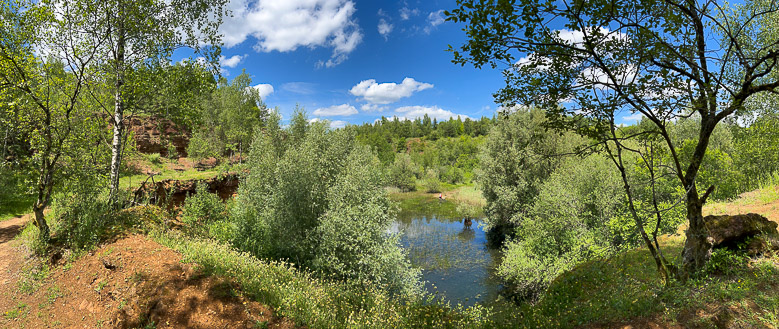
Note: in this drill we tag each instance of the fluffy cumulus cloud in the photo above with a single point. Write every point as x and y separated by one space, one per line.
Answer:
342 110
390 92
385 28
264 89
286 25
231 62
434 112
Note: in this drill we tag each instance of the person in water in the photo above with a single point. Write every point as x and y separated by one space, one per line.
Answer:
441 197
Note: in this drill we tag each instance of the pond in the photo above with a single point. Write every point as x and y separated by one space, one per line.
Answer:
453 256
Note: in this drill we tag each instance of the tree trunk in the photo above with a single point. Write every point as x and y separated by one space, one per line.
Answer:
697 248
40 220
116 143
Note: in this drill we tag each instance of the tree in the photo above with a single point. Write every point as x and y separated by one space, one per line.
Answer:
47 93
589 62
129 34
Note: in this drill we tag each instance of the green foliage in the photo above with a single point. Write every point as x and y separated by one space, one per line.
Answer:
757 150
518 155
228 119
312 195
201 146
726 261
84 217
566 224
357 220
201 210
430 182
154 158
403 172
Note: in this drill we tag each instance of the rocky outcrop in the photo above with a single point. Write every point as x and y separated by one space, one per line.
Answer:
752 232
158 192
152 134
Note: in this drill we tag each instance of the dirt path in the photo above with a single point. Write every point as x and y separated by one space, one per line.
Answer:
9 257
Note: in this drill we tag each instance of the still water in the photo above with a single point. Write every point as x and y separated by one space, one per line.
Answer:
453 256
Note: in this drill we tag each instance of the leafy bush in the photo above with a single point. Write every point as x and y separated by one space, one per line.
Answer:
565 226
313 196
202 209
202 145
517 156
402 173
431 183
83 215
452 175
154 158
726 261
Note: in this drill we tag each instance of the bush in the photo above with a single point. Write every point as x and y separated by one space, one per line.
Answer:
452 175
202 209
402 173
726 261
154 158
316 199
431 183
83 216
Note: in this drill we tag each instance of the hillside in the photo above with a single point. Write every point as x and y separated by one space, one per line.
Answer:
128 283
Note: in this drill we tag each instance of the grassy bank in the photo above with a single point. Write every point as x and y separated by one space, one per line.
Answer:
459 201
317 303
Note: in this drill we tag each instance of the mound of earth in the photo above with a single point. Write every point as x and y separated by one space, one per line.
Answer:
130 283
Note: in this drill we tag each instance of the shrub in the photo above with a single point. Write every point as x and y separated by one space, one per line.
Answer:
431 183
154 158
202 209
313 196
402 173
726 261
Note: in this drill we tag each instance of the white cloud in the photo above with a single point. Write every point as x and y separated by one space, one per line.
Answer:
286 25
303 88
406 13
342 110
634 118
434 18
385 28
230 62
390 92
264 89
336 124
372 108
413 112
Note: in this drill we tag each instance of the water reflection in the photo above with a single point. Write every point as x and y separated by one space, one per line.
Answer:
453 256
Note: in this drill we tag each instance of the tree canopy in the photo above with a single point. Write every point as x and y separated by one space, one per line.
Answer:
589 62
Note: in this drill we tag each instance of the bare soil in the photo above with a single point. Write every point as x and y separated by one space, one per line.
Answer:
129 283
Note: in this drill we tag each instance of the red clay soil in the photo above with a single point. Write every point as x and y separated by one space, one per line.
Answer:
130 283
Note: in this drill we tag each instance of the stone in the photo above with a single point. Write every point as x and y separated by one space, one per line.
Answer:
752 231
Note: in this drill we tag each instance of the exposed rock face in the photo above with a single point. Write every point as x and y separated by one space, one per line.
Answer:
727 231
152 133
225 187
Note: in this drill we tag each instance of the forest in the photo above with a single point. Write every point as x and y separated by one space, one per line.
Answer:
563 215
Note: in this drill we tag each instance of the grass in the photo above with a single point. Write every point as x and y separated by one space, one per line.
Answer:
136 180
456 196
316 303
16 206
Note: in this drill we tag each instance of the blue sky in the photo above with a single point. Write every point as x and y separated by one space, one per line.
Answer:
353 61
